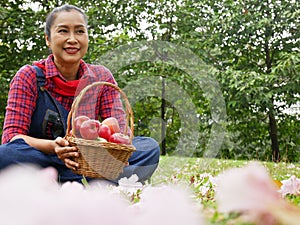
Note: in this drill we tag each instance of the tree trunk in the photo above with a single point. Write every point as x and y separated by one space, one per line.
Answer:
163 124
274 138
272 119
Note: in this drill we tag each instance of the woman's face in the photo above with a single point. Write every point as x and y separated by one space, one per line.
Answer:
69 37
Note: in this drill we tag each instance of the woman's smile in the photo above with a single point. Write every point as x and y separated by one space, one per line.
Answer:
71 50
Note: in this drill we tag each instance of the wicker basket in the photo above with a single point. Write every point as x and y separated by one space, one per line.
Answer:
100 159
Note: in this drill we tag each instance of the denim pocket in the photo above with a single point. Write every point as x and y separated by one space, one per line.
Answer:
52 124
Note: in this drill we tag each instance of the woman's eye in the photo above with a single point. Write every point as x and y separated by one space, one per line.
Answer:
81 31
62 31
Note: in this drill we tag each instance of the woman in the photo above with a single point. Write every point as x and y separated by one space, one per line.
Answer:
41 96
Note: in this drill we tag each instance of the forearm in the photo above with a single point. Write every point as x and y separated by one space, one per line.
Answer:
59 146
44 145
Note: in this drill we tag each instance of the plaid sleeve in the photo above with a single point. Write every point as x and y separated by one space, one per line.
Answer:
20 104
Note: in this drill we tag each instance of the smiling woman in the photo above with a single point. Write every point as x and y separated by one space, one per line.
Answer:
41 96
67 37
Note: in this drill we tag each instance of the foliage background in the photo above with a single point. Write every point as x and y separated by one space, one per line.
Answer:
254 45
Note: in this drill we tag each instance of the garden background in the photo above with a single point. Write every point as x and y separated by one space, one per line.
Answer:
253 47
246 107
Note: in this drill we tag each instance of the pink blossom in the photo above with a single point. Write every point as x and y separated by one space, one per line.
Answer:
29 196
49 173
26 194
246 189
251 191
167 205
290 186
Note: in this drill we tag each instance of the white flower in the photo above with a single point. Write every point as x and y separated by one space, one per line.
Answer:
131 184
203 190
291 166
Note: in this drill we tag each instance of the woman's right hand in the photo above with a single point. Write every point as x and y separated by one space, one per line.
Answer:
66 153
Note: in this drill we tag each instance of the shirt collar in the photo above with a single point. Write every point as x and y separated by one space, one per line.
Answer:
51 69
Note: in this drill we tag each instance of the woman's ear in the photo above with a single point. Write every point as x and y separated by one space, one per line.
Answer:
47 40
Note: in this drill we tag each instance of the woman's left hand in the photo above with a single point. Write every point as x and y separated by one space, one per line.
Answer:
66 153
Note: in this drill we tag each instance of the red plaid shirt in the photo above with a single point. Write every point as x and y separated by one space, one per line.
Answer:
23 94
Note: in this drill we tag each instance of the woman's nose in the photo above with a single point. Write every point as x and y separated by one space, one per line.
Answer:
72 37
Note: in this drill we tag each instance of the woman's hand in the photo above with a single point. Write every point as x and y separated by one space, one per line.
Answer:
66 153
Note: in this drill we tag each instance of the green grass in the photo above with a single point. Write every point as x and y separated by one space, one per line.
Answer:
186 167
194 172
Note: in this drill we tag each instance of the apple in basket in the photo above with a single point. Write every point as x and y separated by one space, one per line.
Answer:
120 138
89 129
104 131
113 124
78 122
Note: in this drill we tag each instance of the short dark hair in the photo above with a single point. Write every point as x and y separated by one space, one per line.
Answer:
52 16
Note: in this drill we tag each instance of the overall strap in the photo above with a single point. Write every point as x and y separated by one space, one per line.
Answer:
40 78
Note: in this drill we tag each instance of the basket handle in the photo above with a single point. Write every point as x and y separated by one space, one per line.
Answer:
74 108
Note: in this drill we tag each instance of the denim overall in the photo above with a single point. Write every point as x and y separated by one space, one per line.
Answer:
48 122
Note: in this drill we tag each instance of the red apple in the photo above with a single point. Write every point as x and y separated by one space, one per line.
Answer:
78 122
113 124
120 138
104 131
89 129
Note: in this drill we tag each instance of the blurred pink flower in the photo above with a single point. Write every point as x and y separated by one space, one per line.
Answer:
245 189
167 205
49 173
29 196
26 194
251 191
290 186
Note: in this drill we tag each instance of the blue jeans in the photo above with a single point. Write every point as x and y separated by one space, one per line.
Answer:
143 161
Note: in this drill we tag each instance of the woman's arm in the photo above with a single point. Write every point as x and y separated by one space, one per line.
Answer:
20 106
46 146
21 103
59 146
